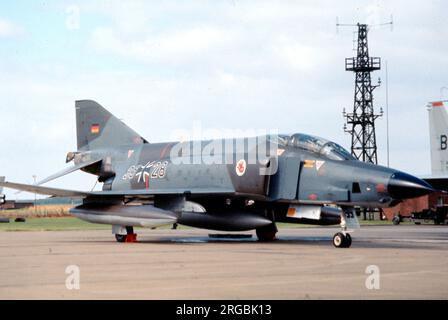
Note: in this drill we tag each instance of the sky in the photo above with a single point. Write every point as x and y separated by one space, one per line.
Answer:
162 66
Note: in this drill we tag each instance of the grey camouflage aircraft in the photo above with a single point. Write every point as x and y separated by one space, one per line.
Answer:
224 184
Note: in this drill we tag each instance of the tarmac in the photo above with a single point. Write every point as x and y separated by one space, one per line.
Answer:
384 262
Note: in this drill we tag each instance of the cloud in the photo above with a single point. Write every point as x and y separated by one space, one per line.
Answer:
174 46
273 12
298 56
9 29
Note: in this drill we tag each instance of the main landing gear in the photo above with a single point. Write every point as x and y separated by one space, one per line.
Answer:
124 234
267 233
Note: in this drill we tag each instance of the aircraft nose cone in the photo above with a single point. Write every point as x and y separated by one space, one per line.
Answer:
404 186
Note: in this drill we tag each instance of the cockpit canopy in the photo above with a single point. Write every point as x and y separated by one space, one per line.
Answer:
317 145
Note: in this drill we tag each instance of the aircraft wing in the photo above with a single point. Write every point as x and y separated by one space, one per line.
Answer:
69 170
45 190
55 192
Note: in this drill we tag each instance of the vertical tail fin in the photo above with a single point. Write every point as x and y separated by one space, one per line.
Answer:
98 128
438 130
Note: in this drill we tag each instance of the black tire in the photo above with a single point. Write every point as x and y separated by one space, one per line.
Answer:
348 240
339 240
267 234
396 220
121 237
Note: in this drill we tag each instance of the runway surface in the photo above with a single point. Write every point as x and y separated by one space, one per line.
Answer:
185 264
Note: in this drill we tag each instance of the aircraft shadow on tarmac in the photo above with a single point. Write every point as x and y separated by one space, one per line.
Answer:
290 240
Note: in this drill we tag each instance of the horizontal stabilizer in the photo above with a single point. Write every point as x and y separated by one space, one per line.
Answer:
69 170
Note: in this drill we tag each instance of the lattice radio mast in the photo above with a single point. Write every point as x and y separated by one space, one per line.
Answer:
361 122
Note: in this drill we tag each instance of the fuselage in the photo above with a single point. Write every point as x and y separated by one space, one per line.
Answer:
297 169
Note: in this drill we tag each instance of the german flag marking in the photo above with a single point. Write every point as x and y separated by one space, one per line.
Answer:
95 128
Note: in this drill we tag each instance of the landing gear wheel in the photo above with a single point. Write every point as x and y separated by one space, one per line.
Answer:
342 241
348 240
267 234
129 237
338 240
121 237
396 220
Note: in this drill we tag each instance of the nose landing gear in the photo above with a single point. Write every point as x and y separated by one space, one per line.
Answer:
341 240
349 222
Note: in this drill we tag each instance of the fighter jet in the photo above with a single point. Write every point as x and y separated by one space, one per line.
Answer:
230 184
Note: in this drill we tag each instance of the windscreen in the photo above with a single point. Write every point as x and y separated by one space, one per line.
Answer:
317 145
